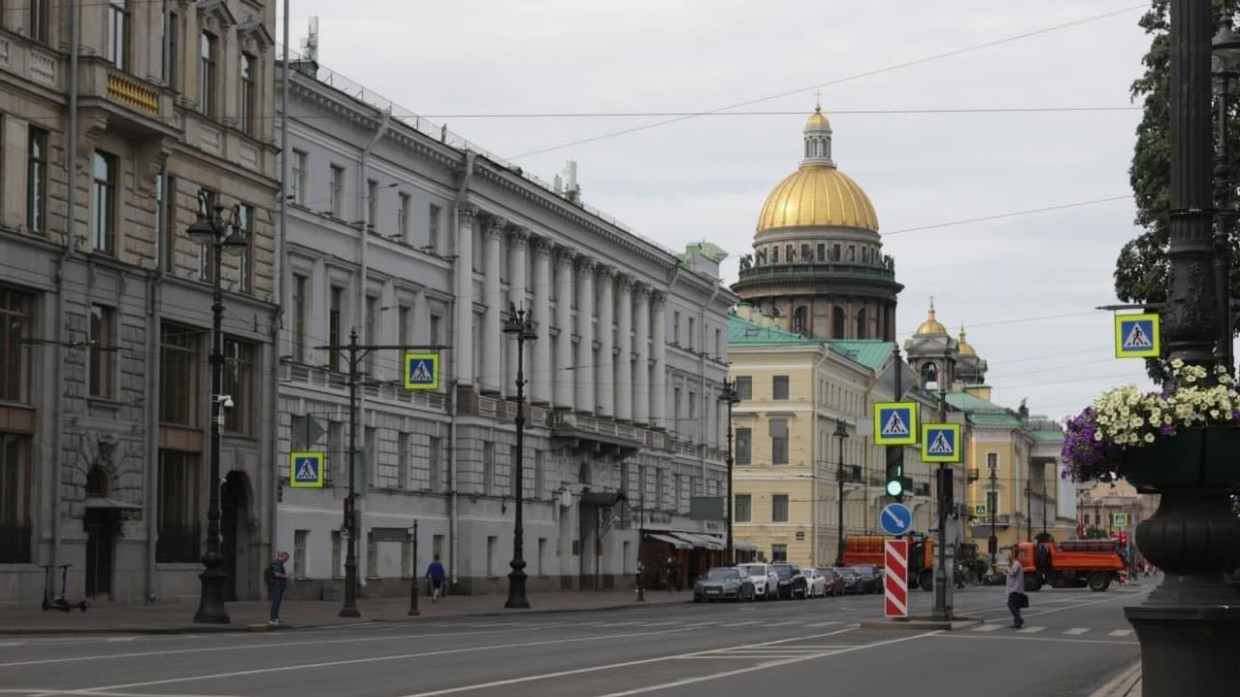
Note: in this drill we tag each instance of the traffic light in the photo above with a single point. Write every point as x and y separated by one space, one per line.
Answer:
946 486
895 472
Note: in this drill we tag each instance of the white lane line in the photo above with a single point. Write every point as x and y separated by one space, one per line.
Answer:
1053 640
11 643
1077 631
987 627
740 624
783 624
1030 630
118 639
1120 632
824 624
374 659
619 624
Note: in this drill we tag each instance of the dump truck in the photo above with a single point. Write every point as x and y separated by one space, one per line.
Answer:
869 550
1070 564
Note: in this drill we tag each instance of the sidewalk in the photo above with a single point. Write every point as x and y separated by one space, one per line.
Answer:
177 618
1126 684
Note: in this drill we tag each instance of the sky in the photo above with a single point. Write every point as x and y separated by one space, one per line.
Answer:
952 190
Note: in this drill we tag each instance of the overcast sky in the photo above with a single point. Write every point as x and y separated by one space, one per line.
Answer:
1024 285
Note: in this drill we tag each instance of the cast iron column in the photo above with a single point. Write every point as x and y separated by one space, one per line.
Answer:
731 397
350 503
841 432
991 500
211 601
1028 511
413 578
521 323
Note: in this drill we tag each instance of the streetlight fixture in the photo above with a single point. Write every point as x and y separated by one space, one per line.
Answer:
220 232
521 324
841 432
731 397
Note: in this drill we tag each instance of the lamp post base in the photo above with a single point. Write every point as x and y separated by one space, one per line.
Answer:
211 609
1188 650
516 587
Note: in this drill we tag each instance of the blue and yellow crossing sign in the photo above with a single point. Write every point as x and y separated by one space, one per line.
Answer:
895 423
979 510
421 371
1137 336
940 442
305 470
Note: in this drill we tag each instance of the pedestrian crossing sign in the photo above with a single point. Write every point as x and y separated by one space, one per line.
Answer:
1137 336
305 470
421 371
979 510
940 443
895 423
1119 520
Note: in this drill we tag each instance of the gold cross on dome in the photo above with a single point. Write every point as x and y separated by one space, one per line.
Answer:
818 100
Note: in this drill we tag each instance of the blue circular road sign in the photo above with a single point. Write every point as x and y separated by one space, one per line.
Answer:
896 519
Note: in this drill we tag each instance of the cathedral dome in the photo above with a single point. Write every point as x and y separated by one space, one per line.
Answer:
963 347
932 326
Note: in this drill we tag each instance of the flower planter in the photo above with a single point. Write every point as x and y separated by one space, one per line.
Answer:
1194 459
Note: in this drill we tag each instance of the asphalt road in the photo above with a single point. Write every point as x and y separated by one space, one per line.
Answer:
1072 643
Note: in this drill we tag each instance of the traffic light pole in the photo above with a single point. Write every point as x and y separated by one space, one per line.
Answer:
895 453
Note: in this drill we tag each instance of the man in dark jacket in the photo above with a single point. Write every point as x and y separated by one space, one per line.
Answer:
278 581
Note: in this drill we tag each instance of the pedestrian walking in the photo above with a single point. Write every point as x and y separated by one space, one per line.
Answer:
1016 597
435 574
277 580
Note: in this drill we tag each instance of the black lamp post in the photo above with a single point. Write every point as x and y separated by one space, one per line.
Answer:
1044 509
841 432
220 232
731 397
521 324
1028 512
1225 49
991 499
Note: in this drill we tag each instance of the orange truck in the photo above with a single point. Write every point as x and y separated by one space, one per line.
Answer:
869 550
1070 564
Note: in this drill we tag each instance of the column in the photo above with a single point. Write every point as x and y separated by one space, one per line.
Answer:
624 337
316 310
641 371
492 336
606 363
584 374
518 241
563 377
658 382
540 378
463 304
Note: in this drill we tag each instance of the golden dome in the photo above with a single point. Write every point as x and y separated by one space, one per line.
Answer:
931 325
817 119
817 196
963 347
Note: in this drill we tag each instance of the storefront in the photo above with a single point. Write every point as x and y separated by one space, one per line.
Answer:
694 553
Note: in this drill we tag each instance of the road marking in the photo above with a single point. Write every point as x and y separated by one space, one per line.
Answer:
372 659
740 624
119 639
11 643
1055 640
1030 630
986 628
782 624
824 624
1077 631
1120 632
618 624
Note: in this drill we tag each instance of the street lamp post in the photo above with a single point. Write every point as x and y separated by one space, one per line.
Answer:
841 432
731 397
1028 512
991 500
1225 49
521 324
1044 510
220 232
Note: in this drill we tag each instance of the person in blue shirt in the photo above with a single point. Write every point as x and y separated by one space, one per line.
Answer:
435 574
278 580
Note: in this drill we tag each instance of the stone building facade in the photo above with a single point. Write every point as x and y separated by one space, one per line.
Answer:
105 394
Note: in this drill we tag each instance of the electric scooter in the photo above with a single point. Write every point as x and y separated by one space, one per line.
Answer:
61 602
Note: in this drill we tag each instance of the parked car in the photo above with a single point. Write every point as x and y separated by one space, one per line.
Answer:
871 581
852 581
765 580
791 582
833 582
815 583
724 583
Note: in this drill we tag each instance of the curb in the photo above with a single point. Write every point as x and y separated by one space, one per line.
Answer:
220 628
923 622
1121 684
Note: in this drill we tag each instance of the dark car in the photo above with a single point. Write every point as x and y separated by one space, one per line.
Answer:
834 581
724 583
851 581
870 579
791 583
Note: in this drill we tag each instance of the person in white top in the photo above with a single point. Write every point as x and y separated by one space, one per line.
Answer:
1016 598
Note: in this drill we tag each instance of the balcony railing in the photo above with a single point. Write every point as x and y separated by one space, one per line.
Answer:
131 93
792 272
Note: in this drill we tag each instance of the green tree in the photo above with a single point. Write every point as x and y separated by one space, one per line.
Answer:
1141 269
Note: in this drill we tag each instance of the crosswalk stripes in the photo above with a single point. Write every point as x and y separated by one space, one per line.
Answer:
986 627
823 624
1074 631
1031 630
1120 632
1077 631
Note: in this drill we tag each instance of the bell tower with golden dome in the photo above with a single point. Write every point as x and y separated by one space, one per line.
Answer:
817 264
941 362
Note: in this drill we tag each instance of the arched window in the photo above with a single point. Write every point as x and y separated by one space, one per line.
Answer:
860 324
800 320
96 482
837 323
929 374
852 254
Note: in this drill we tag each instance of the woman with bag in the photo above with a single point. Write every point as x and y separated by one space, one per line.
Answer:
1016 597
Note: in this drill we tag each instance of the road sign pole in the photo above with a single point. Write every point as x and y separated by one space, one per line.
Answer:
895 579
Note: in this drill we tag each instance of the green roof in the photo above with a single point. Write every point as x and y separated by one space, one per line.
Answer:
742 332
972 404
1046 435
871 353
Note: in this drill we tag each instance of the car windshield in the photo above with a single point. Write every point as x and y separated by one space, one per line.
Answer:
721 575
754 570
848 573
783 571
827 573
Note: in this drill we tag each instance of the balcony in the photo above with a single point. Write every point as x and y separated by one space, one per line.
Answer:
133 94
126 103
815 274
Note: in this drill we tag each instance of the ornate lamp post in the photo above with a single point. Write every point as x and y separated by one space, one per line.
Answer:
220 232
841 433
1028 512
521 324
729 396
1225 48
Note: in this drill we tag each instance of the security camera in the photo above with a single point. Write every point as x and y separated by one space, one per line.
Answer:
226 401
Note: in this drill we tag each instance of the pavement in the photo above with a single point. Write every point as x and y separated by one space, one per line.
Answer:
667 646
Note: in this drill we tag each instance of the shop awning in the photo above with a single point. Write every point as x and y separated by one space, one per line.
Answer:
702 541
744 546
670 539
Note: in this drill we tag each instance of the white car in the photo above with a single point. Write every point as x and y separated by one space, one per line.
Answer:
815 583
765 580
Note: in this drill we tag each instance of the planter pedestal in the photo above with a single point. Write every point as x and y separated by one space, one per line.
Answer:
1189 626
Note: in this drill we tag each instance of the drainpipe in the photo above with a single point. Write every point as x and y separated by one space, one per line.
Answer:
277 319
58 416
460 265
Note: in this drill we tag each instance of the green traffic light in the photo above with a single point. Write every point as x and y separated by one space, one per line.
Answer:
895 487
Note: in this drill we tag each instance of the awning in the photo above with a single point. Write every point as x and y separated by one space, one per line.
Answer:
744 546
110 504
702 541
671 540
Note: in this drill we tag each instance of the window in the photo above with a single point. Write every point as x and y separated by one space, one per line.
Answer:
299 552
861 334
335 329
718 343
206 74
432 238
240 376
103 203
779 553
822 252
744 446
779 508
837 322
38 19
488 467
992 461
179 367
36 180
173 78
779 387
692 405
676 399
436 329
779 441
435 463
299 178
744 387
800 320
402 217
852 253
744 508
206 254
116 47
807 252
16 358
337 191
245 109
789 253
167 196
300 286
515 470
775 254
537 489
245 259
368 336
404 324
372 205
102 351
675 328
179 538
692 332
16 498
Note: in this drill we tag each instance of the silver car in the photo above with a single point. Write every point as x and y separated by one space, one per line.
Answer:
765 580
